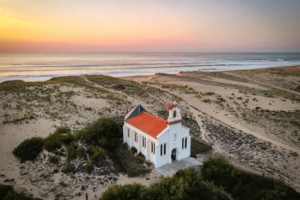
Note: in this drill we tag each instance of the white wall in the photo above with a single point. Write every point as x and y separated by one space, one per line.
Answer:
167 136
138 145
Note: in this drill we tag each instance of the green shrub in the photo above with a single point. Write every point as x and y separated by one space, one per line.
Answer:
69 168
104 128
29 149
71 152
186 184
67 138
63 184
82 188
209 93
141 156
90 150
62 130
125 161
119 87
89 166
133 150
206 100
54 159
53 142
4 189
7 193
98 156
81 152
124 192
244 185
102 142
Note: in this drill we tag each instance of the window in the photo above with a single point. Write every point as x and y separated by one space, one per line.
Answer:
136 137
174 114
184 143
144 142
153 147
163 149
128 130
175 136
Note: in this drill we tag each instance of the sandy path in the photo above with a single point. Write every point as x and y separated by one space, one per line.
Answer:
206 110
134 101
265 84
220 117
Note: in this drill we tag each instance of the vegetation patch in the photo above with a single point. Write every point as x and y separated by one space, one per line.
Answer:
126 161
206 100
95 145
218 180
53 142
244 185
7 192
209 93
185 184
29 149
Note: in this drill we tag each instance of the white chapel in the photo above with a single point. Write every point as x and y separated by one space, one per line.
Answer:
160 141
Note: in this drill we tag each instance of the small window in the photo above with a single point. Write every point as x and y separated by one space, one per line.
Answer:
175 137
184 143
136 137
163 149
175 114
153 147
128 133
144 142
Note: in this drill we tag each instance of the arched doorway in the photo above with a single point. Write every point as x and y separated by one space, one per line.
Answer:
173 154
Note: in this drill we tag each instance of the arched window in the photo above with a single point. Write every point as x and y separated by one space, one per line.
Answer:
175 137
175 114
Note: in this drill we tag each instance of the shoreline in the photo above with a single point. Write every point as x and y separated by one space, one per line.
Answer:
141 76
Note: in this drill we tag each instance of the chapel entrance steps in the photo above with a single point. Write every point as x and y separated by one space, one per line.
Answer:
171 168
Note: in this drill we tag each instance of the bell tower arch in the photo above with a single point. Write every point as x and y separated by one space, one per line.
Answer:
174 113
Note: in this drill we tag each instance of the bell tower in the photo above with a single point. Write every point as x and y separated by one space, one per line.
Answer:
174 114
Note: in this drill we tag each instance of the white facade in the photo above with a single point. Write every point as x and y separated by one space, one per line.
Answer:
172 143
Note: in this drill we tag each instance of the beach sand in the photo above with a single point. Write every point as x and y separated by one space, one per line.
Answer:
250 117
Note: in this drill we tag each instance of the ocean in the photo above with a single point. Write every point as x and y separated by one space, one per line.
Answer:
43 66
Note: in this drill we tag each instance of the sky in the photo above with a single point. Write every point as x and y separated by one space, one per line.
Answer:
150 25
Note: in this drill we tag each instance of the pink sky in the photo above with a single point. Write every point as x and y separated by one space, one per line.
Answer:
149 25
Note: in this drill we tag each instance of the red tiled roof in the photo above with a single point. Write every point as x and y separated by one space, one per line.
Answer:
149 124
171 107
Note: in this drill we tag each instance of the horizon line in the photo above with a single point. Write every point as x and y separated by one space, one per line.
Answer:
5 52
